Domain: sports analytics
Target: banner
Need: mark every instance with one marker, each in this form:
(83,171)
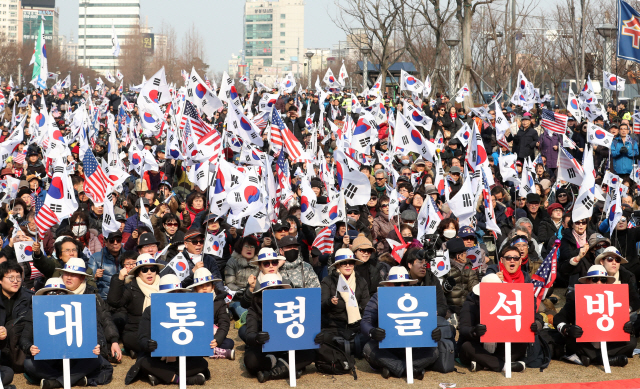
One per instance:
(508,312)
(292,319)
(602,311)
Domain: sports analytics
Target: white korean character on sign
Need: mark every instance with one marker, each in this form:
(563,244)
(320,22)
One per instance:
(410,327)
(70,324)
(182,312)
(296,318)
(598,306)
(504,305)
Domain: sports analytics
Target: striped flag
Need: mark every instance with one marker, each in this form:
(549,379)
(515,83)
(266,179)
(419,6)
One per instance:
(553,122)
(211,145)
(261,120)
(277,126)
(199,127)
(95,184)
(546,274)
(19,159)
(45,218)
(324,241)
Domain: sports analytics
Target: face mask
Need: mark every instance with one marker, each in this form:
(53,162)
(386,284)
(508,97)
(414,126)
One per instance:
(410,224)
(461,116)
(31,231)
(405,161)
(291,255)
(598,252)
(408,239)
(79,230)
(449,234)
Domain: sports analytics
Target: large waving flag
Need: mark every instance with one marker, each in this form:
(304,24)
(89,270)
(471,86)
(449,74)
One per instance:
(613,82)
(238,123)
(201,96)
(96,181)
(410,83)
(408,138)
(586,200)
(599,136)
(569,169)
(40,72)
(628,32)
(58,204)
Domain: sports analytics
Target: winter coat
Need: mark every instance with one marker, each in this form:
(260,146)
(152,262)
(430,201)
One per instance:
(21,306)
(370,273)
(128,295)
(466,279)
(48,266)
(221,317)
(297,127)
(103,259)
(238,270)
(430,279)
(524,143)
(623,161)
(381,228)
(370,316)
(335,316)
(300,273)
(546,148)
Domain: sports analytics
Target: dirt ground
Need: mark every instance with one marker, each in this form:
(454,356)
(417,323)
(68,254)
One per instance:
(233,374)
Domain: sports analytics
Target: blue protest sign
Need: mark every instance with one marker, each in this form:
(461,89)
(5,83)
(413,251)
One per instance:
(182,324)
(628,32)
(291,317)
(408,315)
(64,327)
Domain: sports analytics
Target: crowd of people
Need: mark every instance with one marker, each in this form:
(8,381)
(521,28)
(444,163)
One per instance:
(375,244)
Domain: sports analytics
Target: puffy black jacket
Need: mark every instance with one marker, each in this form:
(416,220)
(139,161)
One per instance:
(524,143)
(335,316)
(466,279)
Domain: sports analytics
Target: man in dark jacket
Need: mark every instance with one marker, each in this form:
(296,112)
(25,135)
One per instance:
(417,268)
(296,124)
(107,262)
(314,110)
(461,278)
(15,305)
(526,140)
(533,211)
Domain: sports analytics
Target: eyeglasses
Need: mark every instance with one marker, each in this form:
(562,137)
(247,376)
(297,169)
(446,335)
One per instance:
(117,239)
(511,259)
(196,242)
(611,259)
(384,205)
(132,264)
(148,269)
(273,263)
(70,251)
(13,279)
(580,223)
(171,224)
(601,279)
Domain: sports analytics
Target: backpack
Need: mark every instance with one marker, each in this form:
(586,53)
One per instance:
(538,353)
(335,357)
(14,332)
(446,348)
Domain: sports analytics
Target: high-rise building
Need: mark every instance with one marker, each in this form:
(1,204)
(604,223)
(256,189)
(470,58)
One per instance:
(94,30)
(274,32)
(31,13)
(9,16)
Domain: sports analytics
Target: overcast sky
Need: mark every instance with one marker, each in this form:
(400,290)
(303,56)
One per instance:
(220,21)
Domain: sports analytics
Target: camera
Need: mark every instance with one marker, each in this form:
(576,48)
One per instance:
(431,247)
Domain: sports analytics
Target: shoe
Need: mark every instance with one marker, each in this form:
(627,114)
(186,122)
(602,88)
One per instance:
(586,361)
(82,382)
(620,360)
(50,384)
(273,360)
(518,367)
(473,367)
(207,374)
(197,379)
(385,373)
(281,370)
(418,374)
(298,374)
(9,387)
(153,380)
(221,353)
(554,300)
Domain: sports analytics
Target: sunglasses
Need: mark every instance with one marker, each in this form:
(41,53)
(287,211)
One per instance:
(534,203)
(281,229)
(469,238)
(380,178)
(350,263)
(580,223)
(601,279)
(148,269)
(384,205)
(196,242)
(511,259)
(55,293)
(171,224)
(562,195)
(273,262)
(611,259)
(367,251)
(115,240)
(601,246)
(353,213)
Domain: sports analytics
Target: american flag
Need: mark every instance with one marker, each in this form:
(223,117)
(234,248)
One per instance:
(261,120)
(546,274)
(45,217)
(554,122)
(95,184)
(276,126)
(19,159)
(284,176)
(324,240)
(199,127)
(184,75)
(636,123)
(206,81)
(211,144)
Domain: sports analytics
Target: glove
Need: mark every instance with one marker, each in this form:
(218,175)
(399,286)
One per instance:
(377,334)
(535,327)
(573,331)
(262,337)
(623,150)
(323,338)
(628,327)
(152,345)
(479,330)
(448,284)
(436,335)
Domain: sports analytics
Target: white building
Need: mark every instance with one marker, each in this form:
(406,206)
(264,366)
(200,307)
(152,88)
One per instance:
(274,33)
(94,30)
(9,15)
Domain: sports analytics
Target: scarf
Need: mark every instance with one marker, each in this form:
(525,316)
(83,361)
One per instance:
(617,277)
(581,240)
(516,278)
(80,289)
(353,313)
(147,290)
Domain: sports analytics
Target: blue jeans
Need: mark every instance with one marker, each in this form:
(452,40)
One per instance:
(236,310)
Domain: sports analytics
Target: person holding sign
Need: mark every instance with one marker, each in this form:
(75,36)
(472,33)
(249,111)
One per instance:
(473,352)
(417,268)
(391,361)
(565,322)
(463,275)
(134,294)
(344,296)
(164,370)
(268,366)
(203,282)
(509,269)
(50,372)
